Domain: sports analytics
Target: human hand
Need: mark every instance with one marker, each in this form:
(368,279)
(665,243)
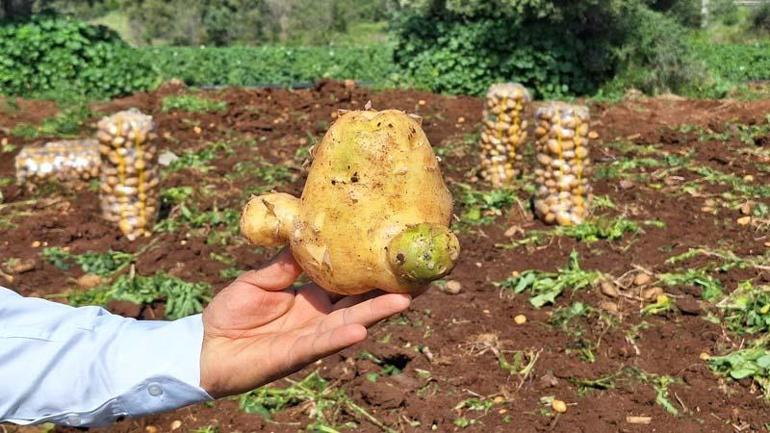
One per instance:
(258,330)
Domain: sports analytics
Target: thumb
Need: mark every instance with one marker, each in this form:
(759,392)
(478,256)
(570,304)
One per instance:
(282,271)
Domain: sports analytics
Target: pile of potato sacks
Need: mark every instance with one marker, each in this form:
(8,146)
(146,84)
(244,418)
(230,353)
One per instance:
(503,132)
(123,157)
(562,173)
(69,162)
(129,180)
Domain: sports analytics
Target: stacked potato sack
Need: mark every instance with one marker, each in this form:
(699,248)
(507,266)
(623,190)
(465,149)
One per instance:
(72,163)
(563,190)
(503,132)
(129,191)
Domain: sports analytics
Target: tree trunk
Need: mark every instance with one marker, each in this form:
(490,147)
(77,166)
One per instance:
(705,12)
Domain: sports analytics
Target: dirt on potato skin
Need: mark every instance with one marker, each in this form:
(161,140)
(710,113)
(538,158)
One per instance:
(455,329)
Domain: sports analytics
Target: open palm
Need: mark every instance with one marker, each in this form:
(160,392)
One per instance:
(258,329)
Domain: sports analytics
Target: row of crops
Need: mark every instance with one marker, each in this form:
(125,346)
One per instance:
(51,57)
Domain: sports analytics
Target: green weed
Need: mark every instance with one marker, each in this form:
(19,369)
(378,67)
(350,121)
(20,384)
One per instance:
(190,218)
(660,383)
(662,305)
(192,104)
(176,195)
(182,298)
(568,320)
(747,309)
(482,207)
(386,368)
(102,264)
(325,401)
(601,228)
(736,183)
(270,175)
(712,288)
(67,123)
(752,363)
(545,287)
(474,404)
(199,160)
(726,259)
(58,257)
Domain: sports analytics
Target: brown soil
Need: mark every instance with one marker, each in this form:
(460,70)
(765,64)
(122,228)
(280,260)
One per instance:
(442,345)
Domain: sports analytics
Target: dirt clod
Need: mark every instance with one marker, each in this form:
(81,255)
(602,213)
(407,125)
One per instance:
(452,287)
(125,309)
(689,305)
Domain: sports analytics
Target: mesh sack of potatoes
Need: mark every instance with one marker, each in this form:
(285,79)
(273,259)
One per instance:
(129,180)
(503,132)
(562,175)
(70,162)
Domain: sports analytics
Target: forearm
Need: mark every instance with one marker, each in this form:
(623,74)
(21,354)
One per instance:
(87,367)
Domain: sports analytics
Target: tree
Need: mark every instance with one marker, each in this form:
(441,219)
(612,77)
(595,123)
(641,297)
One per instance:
(555,47)
(16,9)
(196,22)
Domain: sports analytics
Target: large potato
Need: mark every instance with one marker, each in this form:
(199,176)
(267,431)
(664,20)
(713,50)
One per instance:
(374,213)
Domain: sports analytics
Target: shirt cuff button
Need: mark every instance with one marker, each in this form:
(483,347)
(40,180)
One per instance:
(154,390)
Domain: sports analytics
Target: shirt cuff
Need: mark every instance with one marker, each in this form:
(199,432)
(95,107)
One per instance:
(156,394)
(159,366)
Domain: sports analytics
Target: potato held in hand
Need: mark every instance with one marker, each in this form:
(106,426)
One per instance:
(374,213)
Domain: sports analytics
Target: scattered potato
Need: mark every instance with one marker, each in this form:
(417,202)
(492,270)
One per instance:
(609,289)
(520,319)
(89,281)
(558,406)
(642,279)
(374,212)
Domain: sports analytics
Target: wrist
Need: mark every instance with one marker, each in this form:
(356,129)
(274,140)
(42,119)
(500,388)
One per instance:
(208,378)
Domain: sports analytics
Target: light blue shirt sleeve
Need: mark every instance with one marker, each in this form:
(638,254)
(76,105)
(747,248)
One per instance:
(86,367)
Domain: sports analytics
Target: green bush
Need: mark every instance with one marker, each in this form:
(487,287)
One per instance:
(49,55)
(760,19)
(724,11)
(468,57)
(271,65)
(685,12)
(656,56)
(59,57)
(463,48)
(555,47)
